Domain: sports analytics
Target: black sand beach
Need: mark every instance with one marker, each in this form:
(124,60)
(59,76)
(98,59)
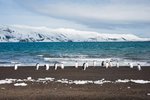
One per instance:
(59,91)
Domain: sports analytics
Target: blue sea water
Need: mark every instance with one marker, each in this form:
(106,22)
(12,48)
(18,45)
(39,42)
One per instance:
(51,52)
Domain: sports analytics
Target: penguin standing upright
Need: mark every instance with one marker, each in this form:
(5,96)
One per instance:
(76,64)
(117,64)
(102,64)
(55,66)
(37,66)
(110,64)
(84,66)
(87,65)
(131,65)
(139,67)
(107,64)
(94,63)
(16,67)
(47,66)
(62,66)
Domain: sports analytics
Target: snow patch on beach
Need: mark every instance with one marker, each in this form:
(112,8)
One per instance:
(102,81)
(77,82)
(140,81)
(82,82)
(45,79)
(122,81)
(148,94)
(7,81)
(22,82)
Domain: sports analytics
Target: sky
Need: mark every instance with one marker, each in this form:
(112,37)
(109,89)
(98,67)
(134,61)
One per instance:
(103,16)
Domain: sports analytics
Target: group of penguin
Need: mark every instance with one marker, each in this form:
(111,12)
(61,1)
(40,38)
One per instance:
(106,64)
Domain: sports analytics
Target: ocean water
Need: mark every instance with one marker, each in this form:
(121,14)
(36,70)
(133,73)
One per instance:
(69,52)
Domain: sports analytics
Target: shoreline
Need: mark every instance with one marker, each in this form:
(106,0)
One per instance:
(72,66)
(80,63)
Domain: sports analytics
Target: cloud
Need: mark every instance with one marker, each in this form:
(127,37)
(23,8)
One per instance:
(82,11)
(121,15)
(92,9)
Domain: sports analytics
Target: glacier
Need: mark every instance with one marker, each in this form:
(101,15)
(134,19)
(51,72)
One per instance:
(22,33)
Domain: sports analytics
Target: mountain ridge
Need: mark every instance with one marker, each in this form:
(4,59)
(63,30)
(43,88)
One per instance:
(22,33)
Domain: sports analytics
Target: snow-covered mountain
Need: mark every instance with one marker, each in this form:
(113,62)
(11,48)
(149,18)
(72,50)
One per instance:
(18,33)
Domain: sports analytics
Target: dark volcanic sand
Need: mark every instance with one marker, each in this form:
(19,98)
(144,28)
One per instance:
(59,91)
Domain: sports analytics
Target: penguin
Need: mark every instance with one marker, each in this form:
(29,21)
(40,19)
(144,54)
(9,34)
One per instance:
(87,65)
(84,66)
(47,66)
(16,67)
(94,63)
(37,66)
(55,66)
(76,64)
(62,66)
(117,64)
(110,64)
(131,65)
(102,64)
(107,64)
(139,67)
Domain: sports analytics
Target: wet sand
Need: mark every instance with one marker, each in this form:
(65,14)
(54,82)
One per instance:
(59,91)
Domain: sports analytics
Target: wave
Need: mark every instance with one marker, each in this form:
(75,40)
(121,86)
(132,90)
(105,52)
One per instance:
(40,55)
(71,61)
(5,62)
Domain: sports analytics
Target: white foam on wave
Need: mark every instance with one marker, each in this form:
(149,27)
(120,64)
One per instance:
(47,59)
(14,62)
(40,55)
(71,61)
(76,59)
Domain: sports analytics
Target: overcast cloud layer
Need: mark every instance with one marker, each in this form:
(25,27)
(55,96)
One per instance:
(113,16)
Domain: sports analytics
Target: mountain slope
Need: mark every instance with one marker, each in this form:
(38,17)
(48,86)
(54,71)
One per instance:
(18,33)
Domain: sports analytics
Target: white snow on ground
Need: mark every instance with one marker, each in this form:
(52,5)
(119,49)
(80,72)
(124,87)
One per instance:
(122,81)
(148,94)
(82,82)
(29,78)
(67,81)
(102,81)
(7,81)
(45,79)
(20,84)
(140,81)
(64,81)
